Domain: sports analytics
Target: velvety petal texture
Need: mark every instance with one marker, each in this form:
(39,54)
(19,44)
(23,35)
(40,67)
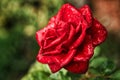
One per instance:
(69,39)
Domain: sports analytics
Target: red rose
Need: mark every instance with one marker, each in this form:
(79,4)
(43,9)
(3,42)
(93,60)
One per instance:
(69,39)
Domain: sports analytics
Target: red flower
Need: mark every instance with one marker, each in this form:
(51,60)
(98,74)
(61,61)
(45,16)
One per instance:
(69,39)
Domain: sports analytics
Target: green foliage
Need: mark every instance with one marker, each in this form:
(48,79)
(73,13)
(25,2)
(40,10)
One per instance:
(102,65)
(41,72)
(116,75)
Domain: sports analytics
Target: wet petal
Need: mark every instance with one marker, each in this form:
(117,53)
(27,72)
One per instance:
(63,61)
(77,66)
(72,33)
(54,67)
(56,51)
(85,50)
(45,59)
(56,41)
(79,26)
(81,36)
(68,57)
(68,13)
(39,37)
(98,32)
(52,20)
(62,27)
(86,12)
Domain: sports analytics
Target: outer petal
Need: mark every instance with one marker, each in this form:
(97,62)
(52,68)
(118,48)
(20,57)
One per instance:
(86,12)
(39,37)
(68,13)
(56,60)
(45,33)
(52,20)
(77,66)
(85,50)
(63,61)
(98,32)
(46,59)
(81,59)
(54,67)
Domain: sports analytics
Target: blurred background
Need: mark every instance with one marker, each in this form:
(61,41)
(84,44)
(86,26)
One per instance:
(20,19)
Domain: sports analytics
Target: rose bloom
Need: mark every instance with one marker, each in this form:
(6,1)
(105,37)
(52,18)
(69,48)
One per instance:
(69,39)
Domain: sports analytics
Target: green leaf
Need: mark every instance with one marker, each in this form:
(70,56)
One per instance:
(95,63)
(97,78)
(61,75)
(110,67)
(116,75)
(96,52)
(103,65)
(38,71)
(93,71)
(74,76)
(39,75)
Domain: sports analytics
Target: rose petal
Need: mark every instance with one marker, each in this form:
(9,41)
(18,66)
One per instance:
(56,51)
(78,28)
(48,36)
(68,41)
(86,12)
(72,33)
(62,27)
(98,33)
(54,67)
(45,59)
(77,66)
(85,50)
(65,60)
(68,13)
(52,20)
(62,59)
(45,33)
(39,37)
(56,41)
(81,34)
